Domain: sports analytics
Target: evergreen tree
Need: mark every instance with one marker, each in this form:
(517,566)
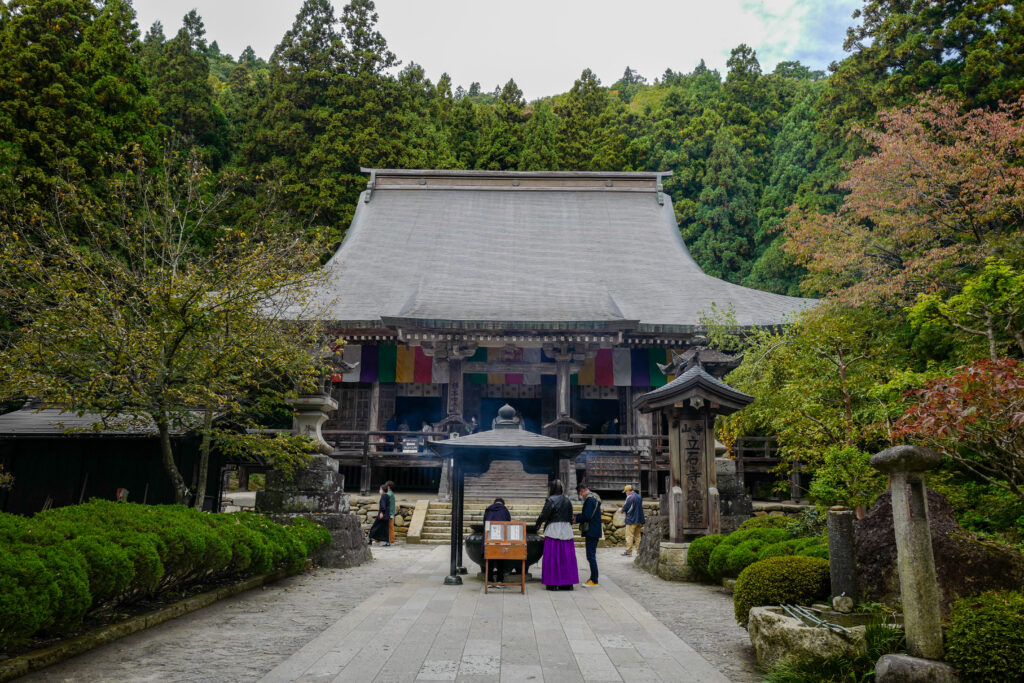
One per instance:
(71,94)
(721,237)
(180,81)
(578,112)
(502,148)
(540,140)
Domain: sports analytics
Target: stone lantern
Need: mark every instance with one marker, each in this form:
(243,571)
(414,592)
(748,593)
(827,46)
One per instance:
(691,403)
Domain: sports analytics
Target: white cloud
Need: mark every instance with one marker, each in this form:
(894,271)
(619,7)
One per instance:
(545,44)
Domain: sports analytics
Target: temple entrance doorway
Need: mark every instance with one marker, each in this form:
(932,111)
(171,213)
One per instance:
(413,411)
(526,408)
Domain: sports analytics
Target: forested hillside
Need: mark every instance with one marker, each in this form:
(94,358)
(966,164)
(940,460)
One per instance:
(79,82)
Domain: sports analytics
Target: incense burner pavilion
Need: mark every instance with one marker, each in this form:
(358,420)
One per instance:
(566,295)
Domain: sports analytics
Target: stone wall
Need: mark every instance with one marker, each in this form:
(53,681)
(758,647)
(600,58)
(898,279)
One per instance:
(348,546)
(365,508)
(615,529)
(655,531)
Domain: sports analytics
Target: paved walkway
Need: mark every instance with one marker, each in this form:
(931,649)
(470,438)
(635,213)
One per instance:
(425,631)
(393,620)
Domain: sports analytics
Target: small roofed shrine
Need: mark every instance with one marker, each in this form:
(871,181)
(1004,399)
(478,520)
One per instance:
(565,295)
(690,403)
(475,454)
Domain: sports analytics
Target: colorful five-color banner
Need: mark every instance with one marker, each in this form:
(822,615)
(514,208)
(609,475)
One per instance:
(408,364)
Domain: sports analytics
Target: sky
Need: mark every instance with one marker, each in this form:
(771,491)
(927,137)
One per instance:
(545,44)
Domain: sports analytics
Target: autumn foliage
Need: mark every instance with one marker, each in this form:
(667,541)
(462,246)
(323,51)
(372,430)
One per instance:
(976,417)
(943,190)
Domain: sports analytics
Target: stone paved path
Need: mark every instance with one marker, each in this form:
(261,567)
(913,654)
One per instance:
(393,620)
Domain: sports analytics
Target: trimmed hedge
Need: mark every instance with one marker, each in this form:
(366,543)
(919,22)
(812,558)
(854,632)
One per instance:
(699,553)
(780,580)
(739,550)
(65,563)
(985,638)
(766,522)
(816,546)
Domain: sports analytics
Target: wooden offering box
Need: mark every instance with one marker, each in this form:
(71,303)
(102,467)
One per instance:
(504,541)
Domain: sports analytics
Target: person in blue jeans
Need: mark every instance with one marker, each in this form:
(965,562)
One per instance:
(634,511)
(590,515)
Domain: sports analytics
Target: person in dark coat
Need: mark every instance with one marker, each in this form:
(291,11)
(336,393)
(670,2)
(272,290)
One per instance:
(497,512)
(379,530)
(590,516)
(558,566)
(634,512)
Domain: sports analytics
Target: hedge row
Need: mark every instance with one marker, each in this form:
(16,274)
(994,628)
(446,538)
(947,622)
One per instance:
(716,557)
(65,563)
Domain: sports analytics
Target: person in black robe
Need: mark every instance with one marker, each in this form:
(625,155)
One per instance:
(497,512)
(379,530)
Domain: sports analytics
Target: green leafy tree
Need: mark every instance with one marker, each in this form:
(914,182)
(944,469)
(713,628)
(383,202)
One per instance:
(817,382)
(143,321)
(990,306)
(578,113)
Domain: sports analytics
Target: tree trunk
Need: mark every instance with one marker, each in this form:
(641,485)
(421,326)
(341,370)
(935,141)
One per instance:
(167,457)
(204,458)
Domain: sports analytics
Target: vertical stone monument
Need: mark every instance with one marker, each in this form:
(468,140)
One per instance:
(691,402)
(919,588)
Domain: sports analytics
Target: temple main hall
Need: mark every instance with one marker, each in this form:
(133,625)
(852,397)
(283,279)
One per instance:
(565,295)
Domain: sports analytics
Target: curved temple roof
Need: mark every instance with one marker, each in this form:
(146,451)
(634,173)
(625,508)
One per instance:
(526,250)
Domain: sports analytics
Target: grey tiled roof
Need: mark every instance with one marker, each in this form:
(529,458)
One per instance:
(554,252)
(694,378)
(517,439)
(56,422)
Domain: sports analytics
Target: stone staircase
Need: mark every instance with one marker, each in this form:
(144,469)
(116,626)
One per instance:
(508,480)
(437,525)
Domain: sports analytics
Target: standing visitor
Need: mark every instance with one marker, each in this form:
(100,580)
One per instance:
(379,530)
(392,509)
(591,528)
(558,567)
(634,511)
(497,512)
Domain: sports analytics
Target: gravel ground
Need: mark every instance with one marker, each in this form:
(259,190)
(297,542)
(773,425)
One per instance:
(700,615)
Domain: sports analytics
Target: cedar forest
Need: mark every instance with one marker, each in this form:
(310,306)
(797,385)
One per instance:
(891,187)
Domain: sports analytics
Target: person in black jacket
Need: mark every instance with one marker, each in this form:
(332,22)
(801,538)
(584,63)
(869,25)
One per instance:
(558,566)
(497,512)
(589,518)
(379,530)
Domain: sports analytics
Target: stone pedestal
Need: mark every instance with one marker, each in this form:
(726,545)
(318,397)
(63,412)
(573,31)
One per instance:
(672,562)
(311,412)
(317,494)
(317,488)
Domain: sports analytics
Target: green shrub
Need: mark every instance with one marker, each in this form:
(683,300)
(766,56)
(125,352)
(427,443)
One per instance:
(719,564)
(699,552)
(780,580)
(766,522)
(109,566)
(66,562)
(985,638)
(803,547)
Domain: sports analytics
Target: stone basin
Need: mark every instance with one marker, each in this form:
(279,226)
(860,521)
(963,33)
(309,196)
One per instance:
(475,550)
(776,635)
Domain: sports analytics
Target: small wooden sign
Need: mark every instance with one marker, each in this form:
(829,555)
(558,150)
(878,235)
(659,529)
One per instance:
(504,541)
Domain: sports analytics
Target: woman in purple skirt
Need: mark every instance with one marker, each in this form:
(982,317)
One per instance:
(558,567)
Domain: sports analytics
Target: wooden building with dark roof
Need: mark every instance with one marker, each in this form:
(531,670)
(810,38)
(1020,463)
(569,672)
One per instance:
(560,293)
